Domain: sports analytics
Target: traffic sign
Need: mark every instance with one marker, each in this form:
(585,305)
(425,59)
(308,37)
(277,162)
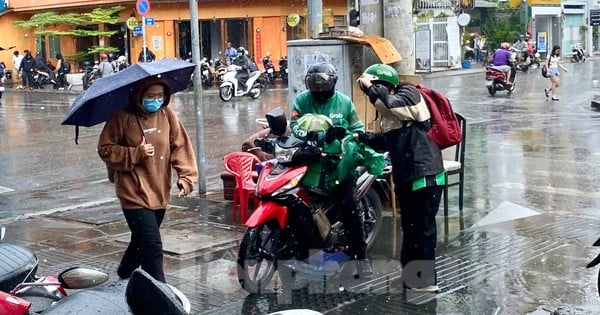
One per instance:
(131,23)
(149,21)
(142,7)
(137,31)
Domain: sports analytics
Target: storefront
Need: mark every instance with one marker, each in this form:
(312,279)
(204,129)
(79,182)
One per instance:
(546,18)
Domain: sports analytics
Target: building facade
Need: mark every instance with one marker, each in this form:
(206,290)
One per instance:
(260,26)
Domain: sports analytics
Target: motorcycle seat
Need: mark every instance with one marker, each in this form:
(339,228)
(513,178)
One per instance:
(16,264)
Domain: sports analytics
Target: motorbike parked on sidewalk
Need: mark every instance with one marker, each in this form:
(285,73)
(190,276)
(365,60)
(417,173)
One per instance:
(495,80)
(269,239)
(42,78)
(269,70)
(230,85)
(594,263)
(578,53)
(24,292)
(206,73)
(283,69)
(90,74)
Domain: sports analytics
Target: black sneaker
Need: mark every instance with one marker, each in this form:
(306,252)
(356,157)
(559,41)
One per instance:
(556,99)
(547,93)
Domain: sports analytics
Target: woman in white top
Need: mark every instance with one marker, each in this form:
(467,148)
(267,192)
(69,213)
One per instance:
(552,64)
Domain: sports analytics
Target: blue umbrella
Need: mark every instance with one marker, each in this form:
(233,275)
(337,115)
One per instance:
(110,93)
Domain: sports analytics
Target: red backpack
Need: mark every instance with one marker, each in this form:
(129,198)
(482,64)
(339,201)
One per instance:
(445,129)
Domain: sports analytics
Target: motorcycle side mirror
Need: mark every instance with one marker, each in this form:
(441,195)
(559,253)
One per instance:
(81,278)
(277,121)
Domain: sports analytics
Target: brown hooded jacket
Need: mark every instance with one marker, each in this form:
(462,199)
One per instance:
(145,182)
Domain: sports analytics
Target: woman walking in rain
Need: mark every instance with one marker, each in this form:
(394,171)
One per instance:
(142,142)
(552,64)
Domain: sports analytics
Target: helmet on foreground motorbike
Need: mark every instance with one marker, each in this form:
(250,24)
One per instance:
(381,74)
(313,127)
(320,80)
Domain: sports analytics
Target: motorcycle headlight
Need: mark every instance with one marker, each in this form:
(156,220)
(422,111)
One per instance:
(284,155)
(293,183)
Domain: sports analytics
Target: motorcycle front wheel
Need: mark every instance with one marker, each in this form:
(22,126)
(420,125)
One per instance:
(226,93)
(258,255)
(491,90)
(371,208)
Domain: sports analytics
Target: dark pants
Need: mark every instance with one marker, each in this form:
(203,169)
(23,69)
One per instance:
(60,80)
(419,231)
(352,218)
(145,247)
(27,78)
(242,77)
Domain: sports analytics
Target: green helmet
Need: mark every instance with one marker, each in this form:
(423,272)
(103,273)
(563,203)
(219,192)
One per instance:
(383,74)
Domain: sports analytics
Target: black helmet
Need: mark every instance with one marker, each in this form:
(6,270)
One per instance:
(320,80)
(241,51)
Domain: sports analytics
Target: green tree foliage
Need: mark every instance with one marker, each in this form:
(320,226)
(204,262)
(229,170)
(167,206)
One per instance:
(44,24)
(502,27)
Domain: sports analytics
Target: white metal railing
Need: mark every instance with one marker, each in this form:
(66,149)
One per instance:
(434,4)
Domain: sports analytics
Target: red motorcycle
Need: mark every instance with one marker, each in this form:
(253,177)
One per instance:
(272,230)
(495,80)
(23,292)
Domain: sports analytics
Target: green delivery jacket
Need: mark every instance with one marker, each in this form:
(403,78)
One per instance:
(341,112)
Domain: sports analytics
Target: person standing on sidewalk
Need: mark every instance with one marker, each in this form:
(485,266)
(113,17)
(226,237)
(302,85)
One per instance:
(141,143)
(552,64)
(26,68)
(417,169)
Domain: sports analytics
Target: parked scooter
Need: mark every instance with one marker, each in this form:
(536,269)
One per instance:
(220,68)
(23,292)
(283,69)
(90,74)
(495,80)
(206,72)
(268,243)
(578,53)
(594,263)
(269,70)
(229,87)
(42,78)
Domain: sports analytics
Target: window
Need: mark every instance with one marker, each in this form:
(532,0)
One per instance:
(53,46)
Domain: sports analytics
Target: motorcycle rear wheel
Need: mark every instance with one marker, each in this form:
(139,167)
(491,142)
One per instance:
(492,90)
(226,93)
(257,258)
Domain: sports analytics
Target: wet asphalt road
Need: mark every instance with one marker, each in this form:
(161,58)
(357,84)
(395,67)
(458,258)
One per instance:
(523,153)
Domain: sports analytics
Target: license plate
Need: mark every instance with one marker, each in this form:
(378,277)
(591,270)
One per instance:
(1,89)
(205,72)
(270,70)
(489,83)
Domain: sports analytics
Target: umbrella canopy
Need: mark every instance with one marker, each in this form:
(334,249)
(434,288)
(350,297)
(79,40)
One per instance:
(110,93)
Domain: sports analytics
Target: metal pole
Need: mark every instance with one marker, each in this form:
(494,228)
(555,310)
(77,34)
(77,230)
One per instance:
(144,37)
(200,159)
(315,17)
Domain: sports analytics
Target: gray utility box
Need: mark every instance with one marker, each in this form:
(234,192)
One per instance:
(346,57)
